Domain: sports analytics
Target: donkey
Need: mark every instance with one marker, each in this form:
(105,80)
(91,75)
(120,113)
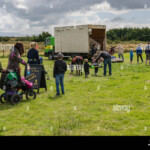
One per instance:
(78,62)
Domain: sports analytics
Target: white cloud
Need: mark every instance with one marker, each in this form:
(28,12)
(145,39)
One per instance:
(21,19)
(105,7)
(21,6)
(102,7)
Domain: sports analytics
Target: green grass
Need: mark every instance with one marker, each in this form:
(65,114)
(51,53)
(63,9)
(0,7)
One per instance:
(87,106)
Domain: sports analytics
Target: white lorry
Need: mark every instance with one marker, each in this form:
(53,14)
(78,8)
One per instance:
(76,40)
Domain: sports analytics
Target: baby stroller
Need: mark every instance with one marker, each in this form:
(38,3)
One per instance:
(15,89)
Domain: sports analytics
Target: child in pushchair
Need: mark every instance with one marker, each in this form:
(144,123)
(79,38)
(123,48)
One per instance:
(14,87)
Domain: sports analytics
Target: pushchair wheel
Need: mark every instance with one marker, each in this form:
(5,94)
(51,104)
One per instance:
(3,98)
(30,95)
(15,99)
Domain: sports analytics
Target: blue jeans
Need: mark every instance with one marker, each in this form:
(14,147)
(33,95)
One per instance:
(96,69)
(59,78)
(121,55)
(131,58)
(107,61)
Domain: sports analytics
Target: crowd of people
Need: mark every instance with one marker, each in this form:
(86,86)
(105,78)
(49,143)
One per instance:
(15,59)
(60,66)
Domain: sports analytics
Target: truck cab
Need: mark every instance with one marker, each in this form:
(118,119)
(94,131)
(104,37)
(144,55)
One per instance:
(49,47)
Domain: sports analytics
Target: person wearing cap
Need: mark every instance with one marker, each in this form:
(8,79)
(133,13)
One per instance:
(33,54)
(60,67)
(147,52)
(139,53)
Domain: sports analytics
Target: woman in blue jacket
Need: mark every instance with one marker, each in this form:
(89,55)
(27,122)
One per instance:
(139,53)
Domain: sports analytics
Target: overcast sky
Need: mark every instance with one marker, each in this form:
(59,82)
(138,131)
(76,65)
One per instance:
(34,16)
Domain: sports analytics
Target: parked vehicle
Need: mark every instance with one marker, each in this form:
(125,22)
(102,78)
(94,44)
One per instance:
(75,40)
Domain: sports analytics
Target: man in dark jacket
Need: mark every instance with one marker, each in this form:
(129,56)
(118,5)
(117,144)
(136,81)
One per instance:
(107,60)
(60,67)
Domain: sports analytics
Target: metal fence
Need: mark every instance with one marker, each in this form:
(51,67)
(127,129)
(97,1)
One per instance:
(5,48)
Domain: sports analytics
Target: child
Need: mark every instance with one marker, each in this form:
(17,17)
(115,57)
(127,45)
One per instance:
(95,64)
(86,68)
(131,55)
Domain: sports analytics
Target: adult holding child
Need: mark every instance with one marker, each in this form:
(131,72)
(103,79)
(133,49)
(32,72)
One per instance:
(139,53)
(147,52)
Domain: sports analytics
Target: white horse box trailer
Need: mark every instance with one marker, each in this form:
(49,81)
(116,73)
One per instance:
(77,40)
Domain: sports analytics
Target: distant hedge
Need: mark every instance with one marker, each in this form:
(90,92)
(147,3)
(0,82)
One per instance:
(128,34)
(37,38)
(4,39)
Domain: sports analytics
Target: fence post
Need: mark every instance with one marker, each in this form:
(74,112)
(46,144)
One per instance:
(3,53)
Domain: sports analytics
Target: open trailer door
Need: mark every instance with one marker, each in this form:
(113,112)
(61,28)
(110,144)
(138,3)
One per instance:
(97,35)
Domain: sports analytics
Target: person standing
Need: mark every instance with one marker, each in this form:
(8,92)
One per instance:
(15,60)
(139,53)
(86,68)
(60,67)
(93,49)
(107,61)
(98,47)
(111,51)
(147,52)
(120,51)
(33,54)
(96,65)
(131,55)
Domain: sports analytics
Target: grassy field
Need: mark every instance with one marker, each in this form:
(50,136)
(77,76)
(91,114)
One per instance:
(116,105)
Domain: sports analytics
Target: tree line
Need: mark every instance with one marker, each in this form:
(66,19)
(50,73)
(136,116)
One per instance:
(128,34)
(4,39)
(113,35)
(37,38)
